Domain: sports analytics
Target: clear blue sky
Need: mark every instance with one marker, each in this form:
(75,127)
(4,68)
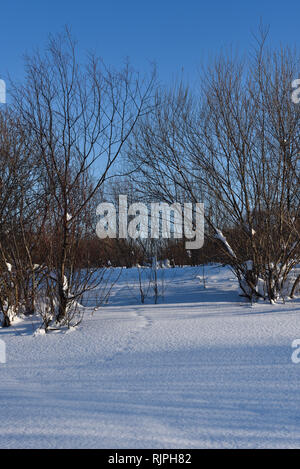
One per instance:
(175,34)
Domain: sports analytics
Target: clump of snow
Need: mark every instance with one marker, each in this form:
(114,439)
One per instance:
(39,331)
(219,235)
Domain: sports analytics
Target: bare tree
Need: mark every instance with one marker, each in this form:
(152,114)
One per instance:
(78,119)
(17,218)
(236,148)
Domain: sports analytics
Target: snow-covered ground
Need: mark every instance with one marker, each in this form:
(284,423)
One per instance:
(201,369)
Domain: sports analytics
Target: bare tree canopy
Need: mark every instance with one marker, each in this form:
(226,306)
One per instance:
(235,147)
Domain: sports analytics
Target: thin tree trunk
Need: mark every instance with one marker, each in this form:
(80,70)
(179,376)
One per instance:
(296,283)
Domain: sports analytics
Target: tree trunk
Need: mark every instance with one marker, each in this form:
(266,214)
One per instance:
(6,321)
(296,283)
